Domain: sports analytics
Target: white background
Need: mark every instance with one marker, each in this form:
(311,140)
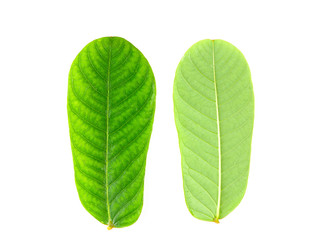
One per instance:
(40,39)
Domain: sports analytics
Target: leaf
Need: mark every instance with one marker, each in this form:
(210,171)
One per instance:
(214,111)
(111,104)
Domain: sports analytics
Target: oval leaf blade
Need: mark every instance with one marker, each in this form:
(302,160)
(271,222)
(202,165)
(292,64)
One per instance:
(214,111)
(111,104)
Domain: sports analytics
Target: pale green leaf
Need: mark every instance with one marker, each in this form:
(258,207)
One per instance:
(111,104)
(214,111)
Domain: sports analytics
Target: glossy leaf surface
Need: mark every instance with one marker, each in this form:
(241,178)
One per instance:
(111,104)
(214,111)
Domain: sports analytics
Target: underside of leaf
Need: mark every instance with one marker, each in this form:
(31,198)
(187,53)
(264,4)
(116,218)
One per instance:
(214,111)
(111,104)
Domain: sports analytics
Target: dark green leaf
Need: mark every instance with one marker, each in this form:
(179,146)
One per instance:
(111,104)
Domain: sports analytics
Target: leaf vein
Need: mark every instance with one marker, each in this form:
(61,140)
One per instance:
(193,106)
(86,139)
(83,102)
(126,204)
(86,154)
(130,164)
(77,165)
(198,199)
(199,69)
(89,191)
(133,116)
(130,213)
(198,155)
(86,78)
(131,182)
(138,64)
(134,91)
(179,112)
(201,174)
(196,135)
(94,68)
(135,138)
(201,94)
(83,119)
(125,60)
(203,188)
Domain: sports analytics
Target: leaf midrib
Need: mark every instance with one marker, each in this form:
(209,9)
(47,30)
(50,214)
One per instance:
(218,135)
(110,225)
